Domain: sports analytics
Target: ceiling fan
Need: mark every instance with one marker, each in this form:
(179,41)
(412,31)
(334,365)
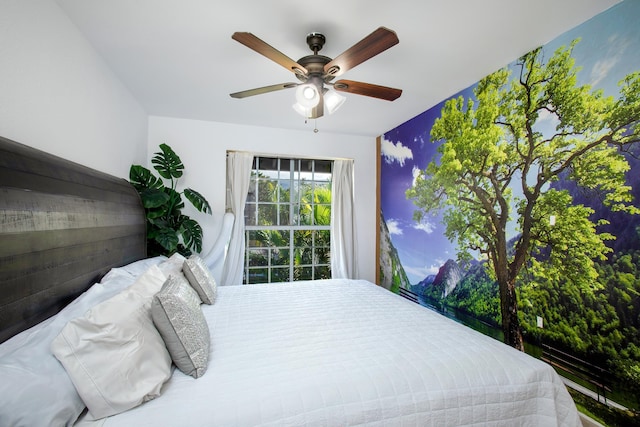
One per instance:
(315,71)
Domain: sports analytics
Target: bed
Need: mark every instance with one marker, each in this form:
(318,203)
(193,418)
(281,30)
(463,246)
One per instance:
(317,353)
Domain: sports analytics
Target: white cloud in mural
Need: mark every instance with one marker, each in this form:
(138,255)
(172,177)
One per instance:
(420,272)
(602,68)
(416,173)
(424,271)
(425,226)
(547,116)
(395,152)
(419,139)
(417,273)
(394,226)
(432,270)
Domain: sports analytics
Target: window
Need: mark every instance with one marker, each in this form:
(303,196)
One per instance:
(287,220)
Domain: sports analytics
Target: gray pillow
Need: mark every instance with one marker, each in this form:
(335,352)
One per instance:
(178,317)
(200,278)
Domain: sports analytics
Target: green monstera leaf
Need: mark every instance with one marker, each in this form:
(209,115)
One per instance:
(197,200)
(175,203)
(168,230)
(142,178)
(191,234)
(168,163)
(167,238)
(153,198)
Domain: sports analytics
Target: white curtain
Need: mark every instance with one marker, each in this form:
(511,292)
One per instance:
(238,177)
(343,227)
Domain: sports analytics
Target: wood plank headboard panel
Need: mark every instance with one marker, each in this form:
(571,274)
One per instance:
(62,227)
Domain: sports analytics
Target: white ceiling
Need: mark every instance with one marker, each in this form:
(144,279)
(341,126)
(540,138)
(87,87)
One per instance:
(178,59)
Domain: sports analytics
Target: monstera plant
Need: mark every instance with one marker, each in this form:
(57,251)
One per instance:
(168,229)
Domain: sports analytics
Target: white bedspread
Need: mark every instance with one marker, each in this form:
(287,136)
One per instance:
(342,353)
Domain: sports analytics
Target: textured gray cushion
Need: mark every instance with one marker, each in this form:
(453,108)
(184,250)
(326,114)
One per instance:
(200,278)
(178,317)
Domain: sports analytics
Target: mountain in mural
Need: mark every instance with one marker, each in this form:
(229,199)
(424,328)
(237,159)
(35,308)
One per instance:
(438,287)
(477,294)
(448,277)
(427,281)
(392,274)
(467,288)
(443,283)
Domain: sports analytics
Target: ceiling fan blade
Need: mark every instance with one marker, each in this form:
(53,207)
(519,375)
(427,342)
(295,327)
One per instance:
(261,90)
(375,43)
(367,89)
(253,42)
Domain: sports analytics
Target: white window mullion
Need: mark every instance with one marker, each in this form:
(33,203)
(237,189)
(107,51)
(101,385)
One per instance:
(273,168)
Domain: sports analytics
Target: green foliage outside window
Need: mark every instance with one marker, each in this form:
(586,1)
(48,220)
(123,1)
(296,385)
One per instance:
(287,216)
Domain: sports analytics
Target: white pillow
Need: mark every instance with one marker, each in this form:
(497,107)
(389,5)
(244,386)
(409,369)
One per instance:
(178,317)
(34,387)
(114,355)
(173,265)
(134,269)
(200,278)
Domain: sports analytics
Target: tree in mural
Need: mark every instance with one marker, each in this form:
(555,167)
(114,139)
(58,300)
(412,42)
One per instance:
(495,167)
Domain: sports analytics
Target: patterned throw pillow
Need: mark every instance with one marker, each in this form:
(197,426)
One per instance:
(200,278)
(178,317)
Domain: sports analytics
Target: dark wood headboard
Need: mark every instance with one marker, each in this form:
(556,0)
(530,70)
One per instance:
(62,227)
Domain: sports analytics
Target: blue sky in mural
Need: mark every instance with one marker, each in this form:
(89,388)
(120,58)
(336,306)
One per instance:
(609,49)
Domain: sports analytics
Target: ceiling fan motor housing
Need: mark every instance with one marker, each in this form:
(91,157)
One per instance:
(314,65)
(315,42)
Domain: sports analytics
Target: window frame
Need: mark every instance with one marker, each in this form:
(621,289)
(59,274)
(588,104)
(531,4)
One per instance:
(292,177)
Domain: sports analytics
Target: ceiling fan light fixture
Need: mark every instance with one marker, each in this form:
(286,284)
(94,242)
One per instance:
(333,100)
(303,111)
(307,95)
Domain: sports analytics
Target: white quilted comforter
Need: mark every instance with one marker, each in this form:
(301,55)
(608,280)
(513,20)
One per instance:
(344,353)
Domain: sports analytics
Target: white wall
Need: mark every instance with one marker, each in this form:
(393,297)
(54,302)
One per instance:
(202,146)
(57,94)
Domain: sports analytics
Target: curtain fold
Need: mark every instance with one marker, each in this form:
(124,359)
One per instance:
(343,228)
(238,178)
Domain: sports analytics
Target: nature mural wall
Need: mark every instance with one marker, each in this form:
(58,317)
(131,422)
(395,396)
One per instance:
(517,200)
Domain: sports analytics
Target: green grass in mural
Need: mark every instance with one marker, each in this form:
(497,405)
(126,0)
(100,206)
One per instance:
(604,414)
